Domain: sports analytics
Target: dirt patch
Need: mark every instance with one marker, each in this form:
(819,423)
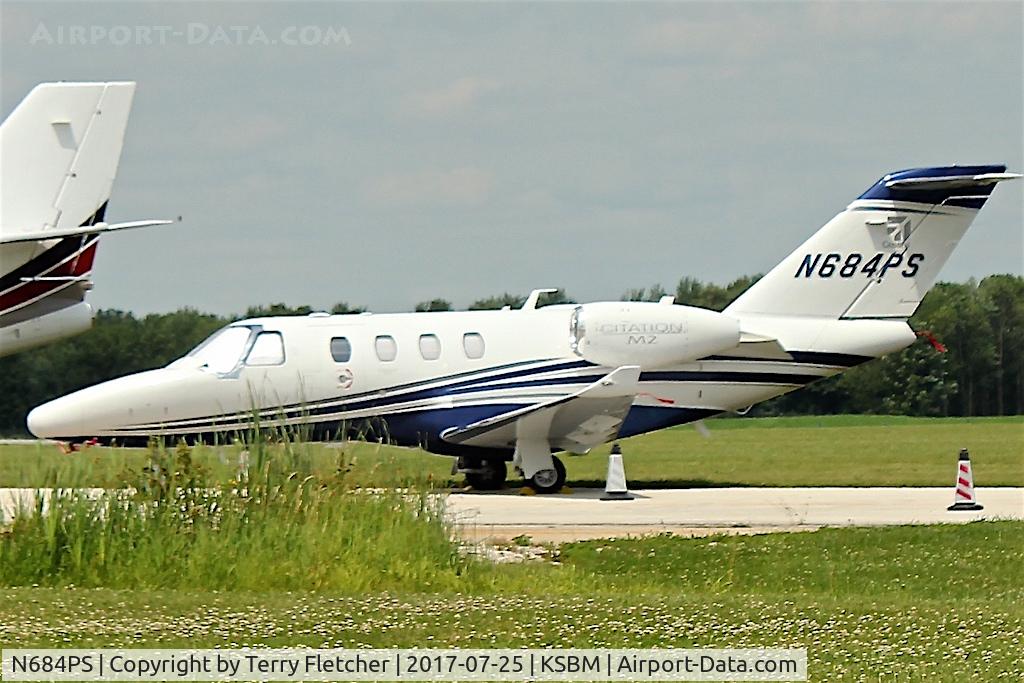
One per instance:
(506,534)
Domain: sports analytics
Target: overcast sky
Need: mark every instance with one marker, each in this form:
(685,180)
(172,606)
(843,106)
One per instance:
(461,150)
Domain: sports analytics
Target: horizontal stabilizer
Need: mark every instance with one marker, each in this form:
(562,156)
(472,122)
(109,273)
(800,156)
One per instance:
(57,278)
(964,181)
(575,422)
(10,236)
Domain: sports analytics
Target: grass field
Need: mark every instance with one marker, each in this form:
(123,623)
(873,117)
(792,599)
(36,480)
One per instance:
(302,554)
(940,603)
(799,451)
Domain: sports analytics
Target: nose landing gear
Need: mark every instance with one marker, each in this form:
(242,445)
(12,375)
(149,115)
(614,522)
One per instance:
(544,473)
(548,480)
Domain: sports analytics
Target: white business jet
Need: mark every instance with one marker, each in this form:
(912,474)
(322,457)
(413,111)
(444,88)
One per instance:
(490,387)
(59,151)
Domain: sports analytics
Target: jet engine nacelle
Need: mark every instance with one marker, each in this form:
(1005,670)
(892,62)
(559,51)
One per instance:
(45,329)
(651,335)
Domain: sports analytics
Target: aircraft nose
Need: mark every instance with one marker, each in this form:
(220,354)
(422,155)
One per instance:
(103,408)
(53,420)
(39,421)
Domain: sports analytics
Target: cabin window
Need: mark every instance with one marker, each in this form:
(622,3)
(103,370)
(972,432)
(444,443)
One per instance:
(430,346)
(473,345)
(341,349)
(387,349)
(268,349)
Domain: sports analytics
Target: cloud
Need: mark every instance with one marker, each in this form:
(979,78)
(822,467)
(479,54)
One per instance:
(457,96)
(459,186)
(732,34)
(756,31)
(247,131)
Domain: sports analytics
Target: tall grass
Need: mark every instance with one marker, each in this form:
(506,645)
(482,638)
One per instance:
(276,526)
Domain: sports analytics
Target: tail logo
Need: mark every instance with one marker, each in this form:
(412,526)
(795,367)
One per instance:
(898,228)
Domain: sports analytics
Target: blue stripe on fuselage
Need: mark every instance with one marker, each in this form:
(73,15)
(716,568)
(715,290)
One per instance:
(422,428)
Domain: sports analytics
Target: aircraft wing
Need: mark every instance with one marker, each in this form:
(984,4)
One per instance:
(576,422)
(56,233)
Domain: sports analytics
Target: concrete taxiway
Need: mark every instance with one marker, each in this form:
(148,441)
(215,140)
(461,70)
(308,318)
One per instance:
(502,516)
(582,514)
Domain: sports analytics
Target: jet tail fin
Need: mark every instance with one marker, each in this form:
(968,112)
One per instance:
(59,152)
(879,257)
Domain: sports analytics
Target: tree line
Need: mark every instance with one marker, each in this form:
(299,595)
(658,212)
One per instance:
(980,324)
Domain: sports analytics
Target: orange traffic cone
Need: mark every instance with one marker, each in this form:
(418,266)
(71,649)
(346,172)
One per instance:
(964,498)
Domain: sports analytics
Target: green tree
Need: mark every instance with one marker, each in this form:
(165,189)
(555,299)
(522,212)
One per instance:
(166,336)
(495,302)
(917,381)
(653,293)
(342,308)
(960,318)
(559,296)
(1004,299)
(693,292)
(276,309)
(491,303)
(433,305)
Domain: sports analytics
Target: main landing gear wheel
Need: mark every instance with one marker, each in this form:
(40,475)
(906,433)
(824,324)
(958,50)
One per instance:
(549,481)
(489,475)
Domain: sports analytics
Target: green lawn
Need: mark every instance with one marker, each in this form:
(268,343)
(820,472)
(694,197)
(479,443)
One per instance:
(939,603)
(301,555)
(799,451)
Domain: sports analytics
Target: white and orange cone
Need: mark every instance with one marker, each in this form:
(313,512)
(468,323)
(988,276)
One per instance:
(964,498)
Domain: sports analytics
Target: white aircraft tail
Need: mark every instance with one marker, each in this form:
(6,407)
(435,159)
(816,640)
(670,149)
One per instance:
(879,257)
(59,151)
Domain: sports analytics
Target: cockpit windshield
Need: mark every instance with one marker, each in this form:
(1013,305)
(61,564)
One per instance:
(222,350)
